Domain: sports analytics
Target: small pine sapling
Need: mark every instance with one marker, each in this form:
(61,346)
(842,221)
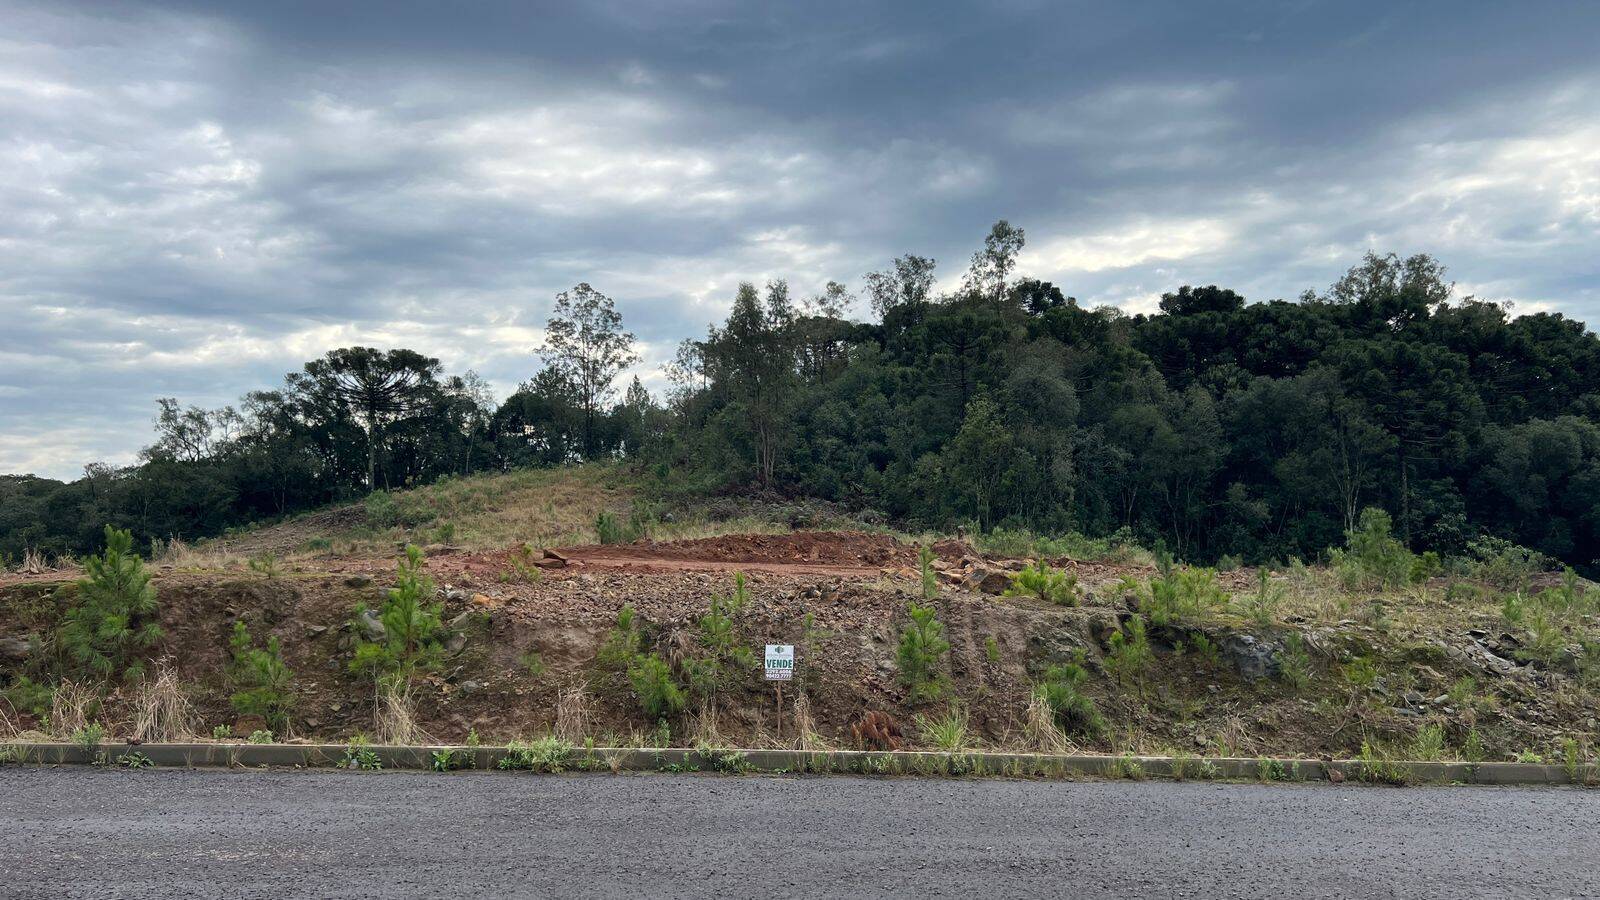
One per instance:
(922,645)
(1048,584)
(114,618)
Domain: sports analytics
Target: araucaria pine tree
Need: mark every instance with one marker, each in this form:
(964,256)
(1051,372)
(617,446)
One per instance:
(114,617)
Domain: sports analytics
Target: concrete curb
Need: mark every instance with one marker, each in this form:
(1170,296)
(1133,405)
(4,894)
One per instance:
(620,759)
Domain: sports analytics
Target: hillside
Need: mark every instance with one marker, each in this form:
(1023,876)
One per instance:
(1307,660)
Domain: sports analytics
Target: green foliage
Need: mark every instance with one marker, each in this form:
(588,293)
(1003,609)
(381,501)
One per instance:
(545,754)
(263,685)
(1224,429)
(608,530)
(26,695)
(1505,565)
(1263,605)
(947,732)
(1178,594)
(262,737)
(991,650)
(930,578)
(266,565)
(1120,546)
(922,647)
(1048,584)
(653,683)
(451,759)
(721,652)
(1294,662)
(532,663)
(359,755)
(412,626)
(1428,746)
(134,759)
(89,737)
(1129,654)
(1075,714)
(113,618)
(622,643)
(1377,767)
(1361,673)
(1370,547)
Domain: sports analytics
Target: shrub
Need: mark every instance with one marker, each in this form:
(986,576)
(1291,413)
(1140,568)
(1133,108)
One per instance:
(720,650)
(113,618)
(1429,743)
(658,692)
(922,644)
(450,760)
(991,649)
(1384,561)
(262,736)
(263,684)
(358,755)
(1178,593)
(1074,713)
(1262,606)
(26,695)
(622,643)
(1050,585)
(88,737)
(546,754)
(1361,673)
(930,579)
(1378,768)
(265,565)
(1505,565)
(1294,663)
(609,529)
(1129,655)
(411,625)
(948,733)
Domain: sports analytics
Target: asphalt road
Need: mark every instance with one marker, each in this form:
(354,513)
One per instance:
(78,832)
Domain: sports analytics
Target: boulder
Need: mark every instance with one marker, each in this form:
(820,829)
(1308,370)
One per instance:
(15,649)
(987,581)
(1252,658)
(371,626)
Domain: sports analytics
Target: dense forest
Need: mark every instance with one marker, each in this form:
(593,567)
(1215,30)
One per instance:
(1213,427)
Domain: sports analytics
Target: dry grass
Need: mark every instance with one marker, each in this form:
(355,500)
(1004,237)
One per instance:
(161,709)
(9,728)
(1039,731)
(572,714)
(208,557)
(395,717)
(805,726)
(703,730)
(72,707)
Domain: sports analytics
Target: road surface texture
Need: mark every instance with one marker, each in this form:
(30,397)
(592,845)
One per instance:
(169,833)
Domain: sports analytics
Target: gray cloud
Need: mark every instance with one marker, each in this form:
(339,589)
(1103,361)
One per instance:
(195,198)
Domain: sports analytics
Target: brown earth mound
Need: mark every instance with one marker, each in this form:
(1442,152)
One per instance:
(799,553)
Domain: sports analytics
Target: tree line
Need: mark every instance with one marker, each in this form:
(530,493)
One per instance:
(1213,427)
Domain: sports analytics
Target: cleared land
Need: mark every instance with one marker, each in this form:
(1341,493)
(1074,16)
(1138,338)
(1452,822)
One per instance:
(1306,663)
(291,834)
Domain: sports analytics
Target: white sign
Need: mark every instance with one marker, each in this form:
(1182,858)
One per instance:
(780,662)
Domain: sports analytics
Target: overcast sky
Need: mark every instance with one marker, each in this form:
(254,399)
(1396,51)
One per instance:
(195,198)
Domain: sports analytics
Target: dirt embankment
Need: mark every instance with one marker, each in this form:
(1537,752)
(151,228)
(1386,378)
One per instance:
(527,629)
